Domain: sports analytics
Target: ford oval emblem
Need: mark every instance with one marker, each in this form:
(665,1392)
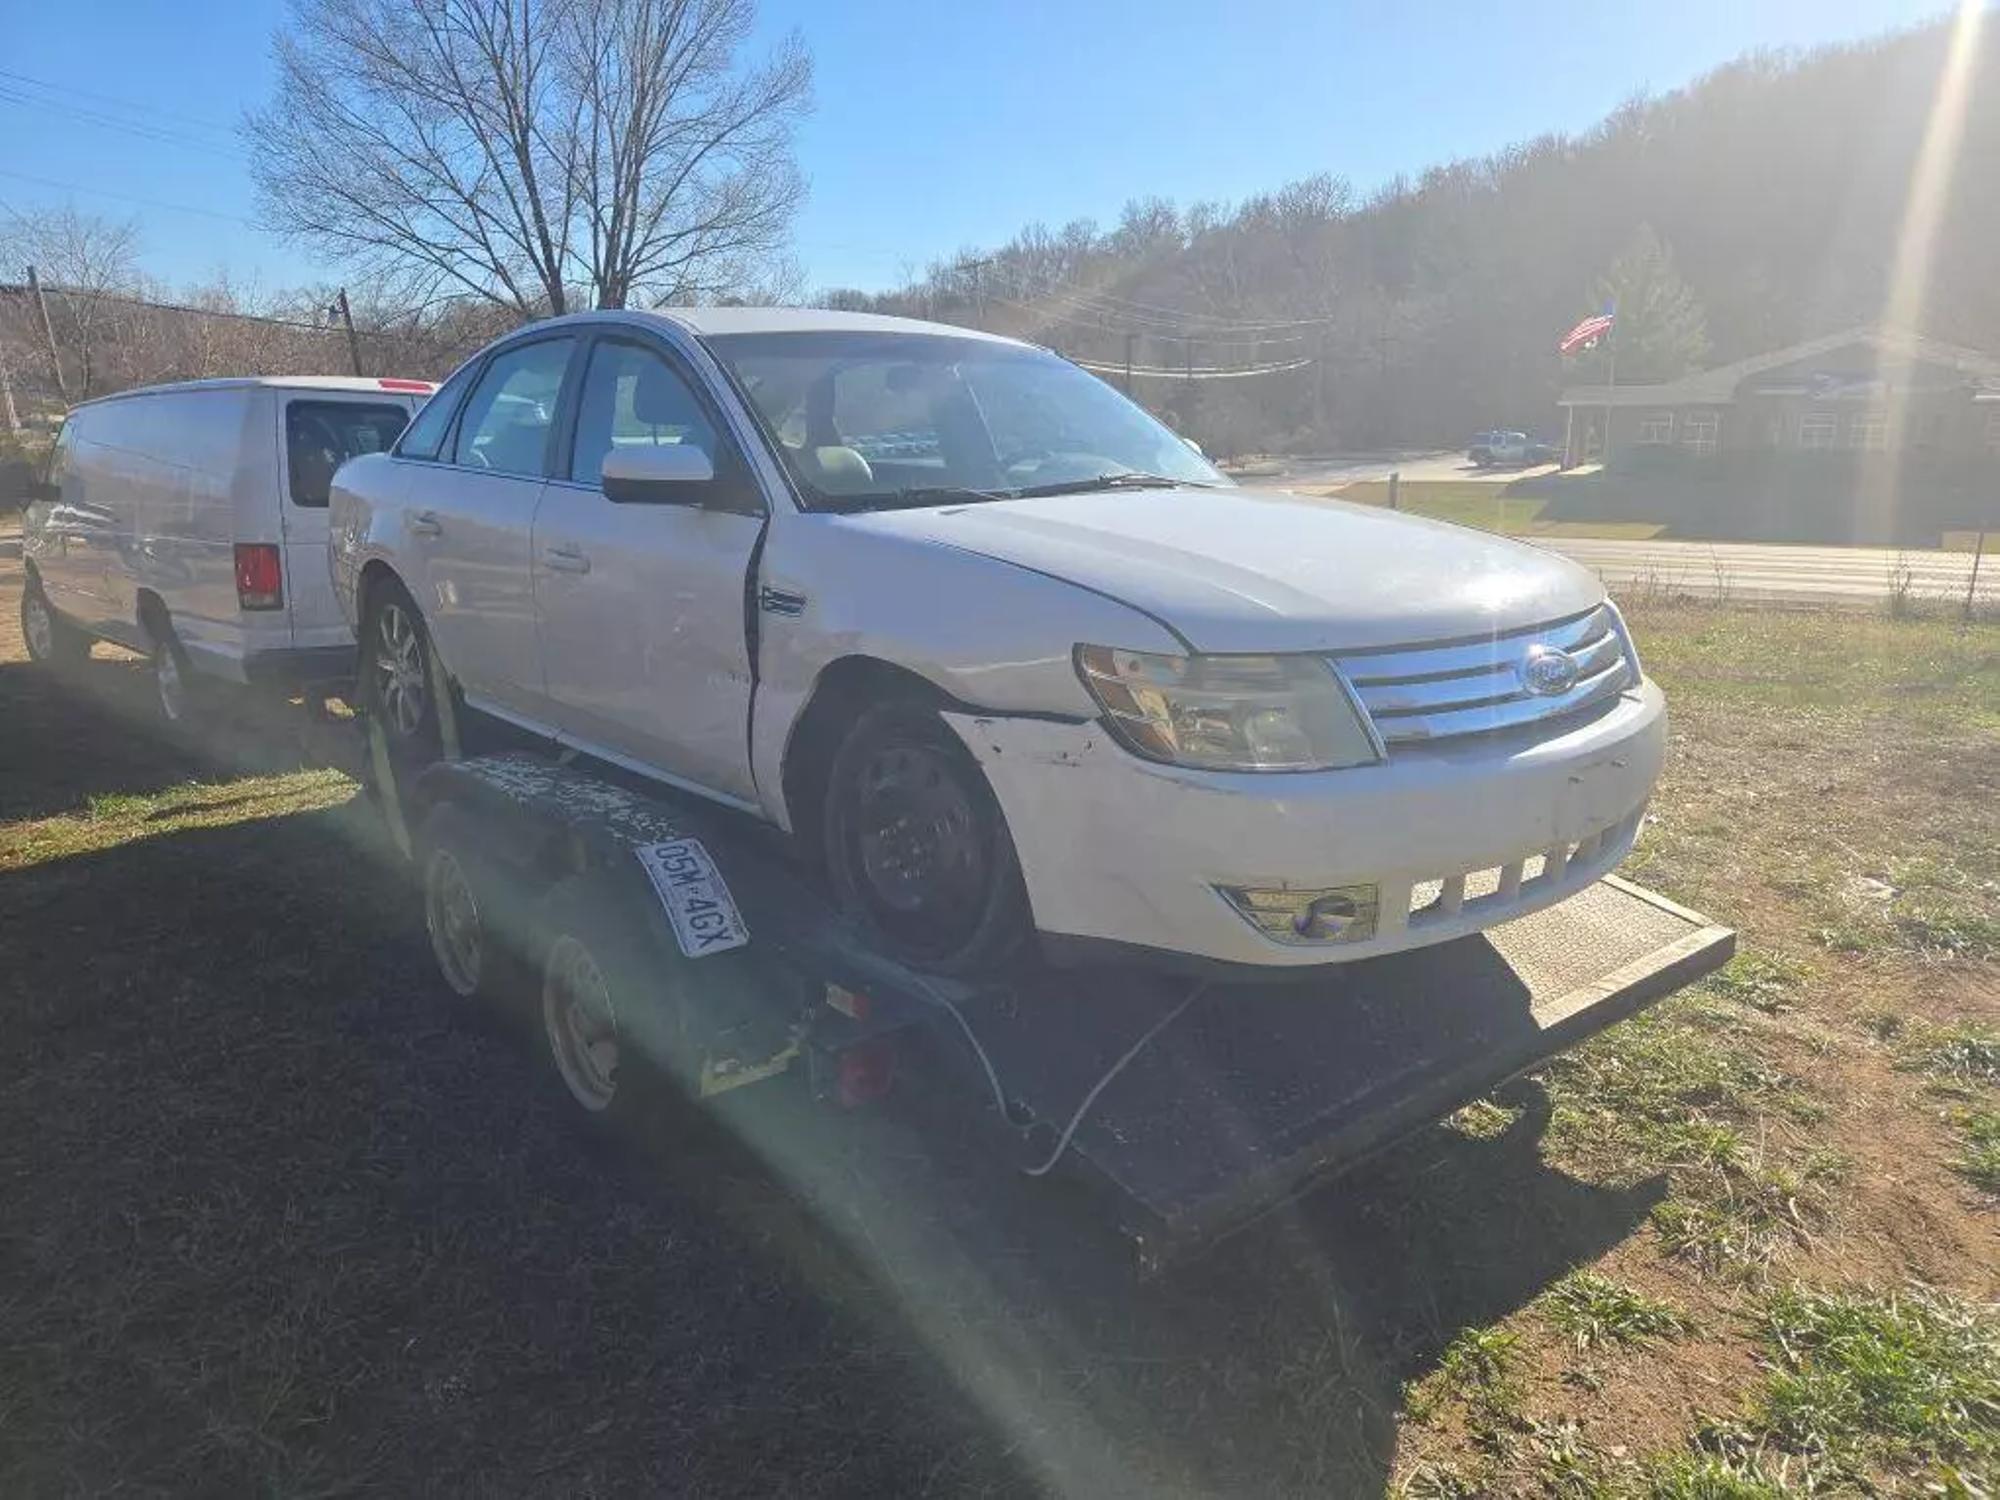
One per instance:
(1548,671)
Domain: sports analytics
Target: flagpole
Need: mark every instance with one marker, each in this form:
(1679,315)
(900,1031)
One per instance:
(1611,381)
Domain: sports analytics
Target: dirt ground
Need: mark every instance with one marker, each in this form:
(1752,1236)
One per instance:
(277,1217)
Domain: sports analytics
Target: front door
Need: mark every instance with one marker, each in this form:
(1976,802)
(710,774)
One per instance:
(470,516)
(642,606)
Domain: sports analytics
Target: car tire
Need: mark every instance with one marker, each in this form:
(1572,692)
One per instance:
(51,640)
(398,678)
(474,911)
(917,851)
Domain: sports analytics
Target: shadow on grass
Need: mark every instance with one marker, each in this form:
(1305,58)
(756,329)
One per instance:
(277,1214)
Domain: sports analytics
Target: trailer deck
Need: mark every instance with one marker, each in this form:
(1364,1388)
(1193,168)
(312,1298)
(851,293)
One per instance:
(1195,1107)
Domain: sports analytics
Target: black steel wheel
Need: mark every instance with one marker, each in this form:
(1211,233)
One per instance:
(916,848)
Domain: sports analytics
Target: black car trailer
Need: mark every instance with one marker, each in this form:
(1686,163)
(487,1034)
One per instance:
(1196,1107)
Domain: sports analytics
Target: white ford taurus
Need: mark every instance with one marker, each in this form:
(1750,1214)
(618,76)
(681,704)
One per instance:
(1002,652)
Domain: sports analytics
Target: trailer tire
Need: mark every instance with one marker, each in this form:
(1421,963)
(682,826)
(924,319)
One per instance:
(596,957)
(472,909)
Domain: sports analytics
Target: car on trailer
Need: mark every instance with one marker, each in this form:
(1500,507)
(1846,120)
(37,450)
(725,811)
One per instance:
(1002,653)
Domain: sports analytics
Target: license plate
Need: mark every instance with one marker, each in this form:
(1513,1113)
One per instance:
(696,897)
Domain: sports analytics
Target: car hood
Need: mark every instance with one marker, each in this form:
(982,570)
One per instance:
(1259,570)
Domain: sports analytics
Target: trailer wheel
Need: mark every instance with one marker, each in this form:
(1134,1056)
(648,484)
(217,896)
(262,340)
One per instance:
(51,640)
(470,908)
(595,962)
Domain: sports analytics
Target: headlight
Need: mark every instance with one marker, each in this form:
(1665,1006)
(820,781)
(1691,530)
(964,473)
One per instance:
(1227,713)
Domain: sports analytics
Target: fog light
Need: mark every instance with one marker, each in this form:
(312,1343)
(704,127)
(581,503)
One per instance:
(1327,914)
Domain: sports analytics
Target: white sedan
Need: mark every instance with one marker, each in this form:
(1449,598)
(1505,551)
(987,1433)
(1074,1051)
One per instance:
(1005,655)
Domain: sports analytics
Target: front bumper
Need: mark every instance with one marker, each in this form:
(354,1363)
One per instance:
(1117,850)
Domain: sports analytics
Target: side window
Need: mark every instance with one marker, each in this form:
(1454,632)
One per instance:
(508,416)
(634,398)
(320,436)
(427,428)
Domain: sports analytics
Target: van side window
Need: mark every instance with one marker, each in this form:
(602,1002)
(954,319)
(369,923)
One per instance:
(320,436)
(427,429)
(509,414)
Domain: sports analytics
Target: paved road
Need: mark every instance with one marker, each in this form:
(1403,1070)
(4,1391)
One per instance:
(1751,570)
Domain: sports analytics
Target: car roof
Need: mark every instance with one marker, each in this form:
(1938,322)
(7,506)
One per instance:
(723,321)
(388,385)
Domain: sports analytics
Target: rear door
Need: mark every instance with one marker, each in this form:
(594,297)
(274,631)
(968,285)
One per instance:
(643,636)
(469,515)
(318,431)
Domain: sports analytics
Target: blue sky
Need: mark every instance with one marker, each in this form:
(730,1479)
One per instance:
(940,124)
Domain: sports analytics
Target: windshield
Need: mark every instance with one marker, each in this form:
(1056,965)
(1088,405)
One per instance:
(866,420)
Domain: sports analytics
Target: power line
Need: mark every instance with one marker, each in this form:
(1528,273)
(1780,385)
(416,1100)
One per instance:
(142,107)
(181,208)
(162,135)
(1182,372)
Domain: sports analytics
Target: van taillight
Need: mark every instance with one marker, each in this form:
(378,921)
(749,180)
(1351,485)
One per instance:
(260,576)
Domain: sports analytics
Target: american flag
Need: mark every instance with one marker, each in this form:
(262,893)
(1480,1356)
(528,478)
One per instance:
(1586,334)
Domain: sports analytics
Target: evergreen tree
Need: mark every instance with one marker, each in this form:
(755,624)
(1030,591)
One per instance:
(1662,332)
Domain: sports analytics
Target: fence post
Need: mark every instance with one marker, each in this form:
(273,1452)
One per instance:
(1972,583)
(1395,489)
(48,334)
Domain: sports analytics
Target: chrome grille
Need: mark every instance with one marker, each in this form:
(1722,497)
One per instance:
(1422,693)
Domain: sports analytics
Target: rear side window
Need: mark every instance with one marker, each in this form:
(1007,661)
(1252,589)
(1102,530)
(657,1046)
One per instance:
(320,436)
(508,417)
(426,434)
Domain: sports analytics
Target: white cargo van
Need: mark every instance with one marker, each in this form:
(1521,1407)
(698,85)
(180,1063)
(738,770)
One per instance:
(189,522)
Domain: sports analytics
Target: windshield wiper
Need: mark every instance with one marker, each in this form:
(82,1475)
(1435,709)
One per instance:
(1124,479)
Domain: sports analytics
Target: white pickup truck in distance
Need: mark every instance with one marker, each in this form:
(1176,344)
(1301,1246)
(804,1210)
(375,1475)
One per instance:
(1004,654)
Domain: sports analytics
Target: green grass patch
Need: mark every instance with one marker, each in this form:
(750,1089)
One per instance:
(1979,1161)
(1762,981)
(1592,1311)
(1911,1378)
(1489,505)
(1845,663)
(113,818)
(1476,1368)
(1962,1057)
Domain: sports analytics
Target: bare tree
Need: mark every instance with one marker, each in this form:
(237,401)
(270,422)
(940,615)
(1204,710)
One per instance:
(534,152)
(88,266)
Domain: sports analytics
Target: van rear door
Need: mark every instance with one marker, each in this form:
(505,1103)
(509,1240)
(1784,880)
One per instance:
(318,431)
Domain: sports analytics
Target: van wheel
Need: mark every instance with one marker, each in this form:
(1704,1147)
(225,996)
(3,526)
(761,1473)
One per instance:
(51,640)
(174,686)
(916,848)
(396,674)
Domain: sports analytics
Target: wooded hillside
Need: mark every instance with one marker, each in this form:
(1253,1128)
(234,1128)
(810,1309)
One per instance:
(1761,205)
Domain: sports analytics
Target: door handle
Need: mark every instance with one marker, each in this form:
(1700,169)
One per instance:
(426,523)
(565,560)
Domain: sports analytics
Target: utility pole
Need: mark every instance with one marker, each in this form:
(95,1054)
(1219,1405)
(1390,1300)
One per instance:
(48,335)
(347,317)
(1129,337)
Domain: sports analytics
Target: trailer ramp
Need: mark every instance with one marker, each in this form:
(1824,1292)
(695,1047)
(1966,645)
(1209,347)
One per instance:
(1252,1091)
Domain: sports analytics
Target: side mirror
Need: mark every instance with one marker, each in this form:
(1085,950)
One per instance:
(663,474)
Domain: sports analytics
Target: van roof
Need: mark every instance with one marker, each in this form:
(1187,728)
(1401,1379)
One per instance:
(387,384)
